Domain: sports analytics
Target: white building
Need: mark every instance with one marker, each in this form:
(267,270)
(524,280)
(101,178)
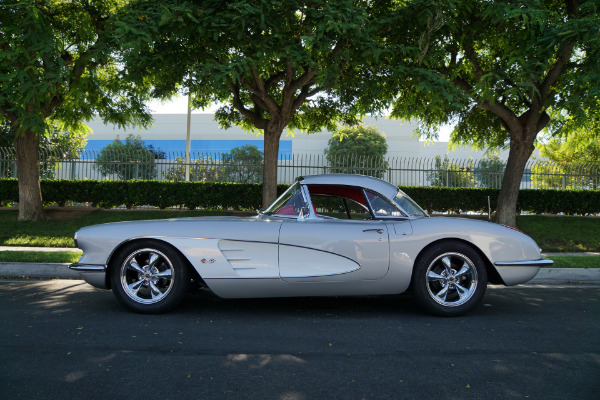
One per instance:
(168,133)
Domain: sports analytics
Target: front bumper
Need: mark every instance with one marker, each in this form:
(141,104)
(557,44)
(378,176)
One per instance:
(94,274)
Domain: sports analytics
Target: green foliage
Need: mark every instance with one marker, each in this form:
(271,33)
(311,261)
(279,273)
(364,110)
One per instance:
(58,144)
(501,71)
(366,147)
(73,73)
(449,174)
(161,194)
(232,53)
(490,170)
(579,152)
(202,169)
(443,199)
(480,64)
(59,62)
(128,160)
(582,146)
(243,164)
(272,64)
(247,196)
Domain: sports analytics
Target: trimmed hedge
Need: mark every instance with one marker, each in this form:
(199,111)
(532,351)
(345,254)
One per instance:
(161,194)
(536,201)
(247,196)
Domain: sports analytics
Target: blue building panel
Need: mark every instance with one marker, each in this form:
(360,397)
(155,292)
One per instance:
(202,146)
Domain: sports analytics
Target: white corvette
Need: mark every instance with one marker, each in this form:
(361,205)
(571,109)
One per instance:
(327,235)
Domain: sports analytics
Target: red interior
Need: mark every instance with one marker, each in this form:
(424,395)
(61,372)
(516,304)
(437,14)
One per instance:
(340,191)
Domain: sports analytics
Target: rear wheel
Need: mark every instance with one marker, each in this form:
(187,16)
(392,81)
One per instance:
(450,279)
(149,277)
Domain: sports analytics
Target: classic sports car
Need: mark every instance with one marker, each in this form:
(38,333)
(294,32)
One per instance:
(327,235)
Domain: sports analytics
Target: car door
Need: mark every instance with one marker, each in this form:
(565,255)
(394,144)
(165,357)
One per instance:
(333,250)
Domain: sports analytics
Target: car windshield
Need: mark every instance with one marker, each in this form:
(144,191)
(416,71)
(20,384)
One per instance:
(409,206)
(289,203)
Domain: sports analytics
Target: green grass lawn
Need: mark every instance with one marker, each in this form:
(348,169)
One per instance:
(562,233)
(575,262)
(59,232)
(38,256)
(552,233)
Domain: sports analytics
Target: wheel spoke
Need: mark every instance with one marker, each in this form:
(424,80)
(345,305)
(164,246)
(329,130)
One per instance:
(134,266)
(434,277)
(462,291)
(465,268)
(155,291)
(443,293)
(447,265)
(135,286)
(153,258)
(167,273)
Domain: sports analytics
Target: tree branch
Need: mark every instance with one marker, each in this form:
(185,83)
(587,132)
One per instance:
(239,105)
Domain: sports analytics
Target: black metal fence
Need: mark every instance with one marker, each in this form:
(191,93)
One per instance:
(213,167)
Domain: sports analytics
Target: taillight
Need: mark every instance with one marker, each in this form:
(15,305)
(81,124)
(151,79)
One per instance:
(514,229)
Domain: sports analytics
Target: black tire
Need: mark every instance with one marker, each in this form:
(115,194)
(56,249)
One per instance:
(449,279)
(149,277)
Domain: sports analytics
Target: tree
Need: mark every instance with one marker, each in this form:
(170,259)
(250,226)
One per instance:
(243,164)
(58,63)
(499,70)
(271,63)
(202,169)
(490,170)
(571,157)
(128,160)
(60,143)
(357,150)
(450,174)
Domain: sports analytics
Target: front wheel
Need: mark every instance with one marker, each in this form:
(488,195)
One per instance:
(149,277)
(450,279)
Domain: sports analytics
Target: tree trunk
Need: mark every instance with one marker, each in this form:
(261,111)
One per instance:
(28,175)
(272,134)
(519,153)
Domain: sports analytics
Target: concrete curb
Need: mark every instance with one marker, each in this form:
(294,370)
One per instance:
(37,270)
(567,275)
(556,276)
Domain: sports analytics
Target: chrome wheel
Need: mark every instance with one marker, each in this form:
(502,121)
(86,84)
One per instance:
(147,276)
(451,279)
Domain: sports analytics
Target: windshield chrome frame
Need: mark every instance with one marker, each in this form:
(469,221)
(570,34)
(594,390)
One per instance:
(392,203)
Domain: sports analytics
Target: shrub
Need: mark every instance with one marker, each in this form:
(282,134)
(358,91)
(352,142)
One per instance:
(247,196)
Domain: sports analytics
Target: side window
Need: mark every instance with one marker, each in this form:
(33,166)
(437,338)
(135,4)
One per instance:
(339,207)
(381,207)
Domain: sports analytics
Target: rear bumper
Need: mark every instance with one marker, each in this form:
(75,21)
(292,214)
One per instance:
(515,272)
(530,263)
(94,274)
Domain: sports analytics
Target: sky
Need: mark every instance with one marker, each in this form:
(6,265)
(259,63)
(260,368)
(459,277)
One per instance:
(178,105)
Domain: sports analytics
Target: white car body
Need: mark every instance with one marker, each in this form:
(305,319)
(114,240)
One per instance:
(309,254)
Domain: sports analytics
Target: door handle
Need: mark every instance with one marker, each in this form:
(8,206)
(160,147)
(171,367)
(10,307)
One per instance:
(378,230)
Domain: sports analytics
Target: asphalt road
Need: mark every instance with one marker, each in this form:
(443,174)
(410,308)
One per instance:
(62,339)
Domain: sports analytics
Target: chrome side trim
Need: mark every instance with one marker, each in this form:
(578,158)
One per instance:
(322,251)
(87,267)
(529,263)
